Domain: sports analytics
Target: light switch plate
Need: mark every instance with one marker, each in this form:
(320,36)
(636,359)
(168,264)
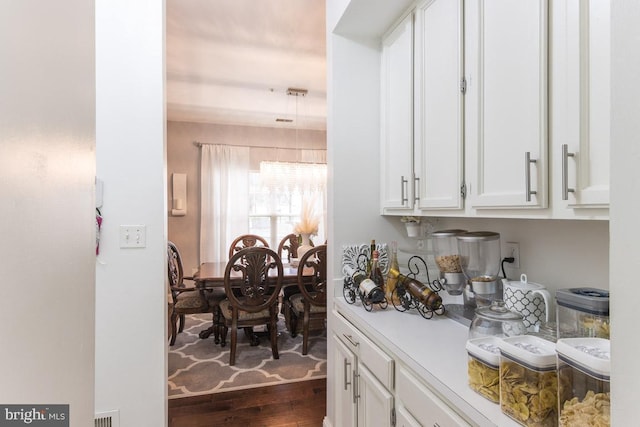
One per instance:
(133,236)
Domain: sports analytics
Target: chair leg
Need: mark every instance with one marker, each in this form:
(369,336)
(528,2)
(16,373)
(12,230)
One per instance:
(181,328)
(174,328)
(305,331)
(223,338)
(216,325)
(294,324)
(234,341)
(273,327)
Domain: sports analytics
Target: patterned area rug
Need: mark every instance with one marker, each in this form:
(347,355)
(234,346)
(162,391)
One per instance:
(198,366)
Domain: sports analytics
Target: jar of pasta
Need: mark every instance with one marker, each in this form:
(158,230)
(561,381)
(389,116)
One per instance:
(584,366)
(483,368)
(528,381)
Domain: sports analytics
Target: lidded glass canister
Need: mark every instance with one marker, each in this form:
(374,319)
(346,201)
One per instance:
(447,256)
(480,260)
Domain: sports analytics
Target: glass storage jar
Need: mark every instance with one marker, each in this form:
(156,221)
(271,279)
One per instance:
(528,381)
(496,320)
(447,256)
(584,367)
(483,367)
(582,312)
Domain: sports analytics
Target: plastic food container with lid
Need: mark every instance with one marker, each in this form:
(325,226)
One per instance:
(483,367)
(582,312)
(584,367)
(528,381)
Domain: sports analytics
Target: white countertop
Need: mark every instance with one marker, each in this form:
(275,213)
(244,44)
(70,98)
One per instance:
(434,349)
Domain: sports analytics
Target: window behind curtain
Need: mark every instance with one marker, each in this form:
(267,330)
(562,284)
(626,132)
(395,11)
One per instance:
(272,215)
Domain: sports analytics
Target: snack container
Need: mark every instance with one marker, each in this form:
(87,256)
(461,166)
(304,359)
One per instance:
(528,381)
(584,367)
(484,367)
(582,312)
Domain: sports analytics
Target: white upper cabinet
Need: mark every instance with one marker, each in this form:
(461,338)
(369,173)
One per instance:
(506,136)
(583,133)
(439,106)
(396,163)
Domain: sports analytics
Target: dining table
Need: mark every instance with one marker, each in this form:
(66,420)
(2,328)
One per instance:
(210,275)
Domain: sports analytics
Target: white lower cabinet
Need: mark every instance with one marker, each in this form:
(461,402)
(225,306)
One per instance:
(373,388)
(404,418)
(375,406)
(344,393)
(422,404)
(364,376)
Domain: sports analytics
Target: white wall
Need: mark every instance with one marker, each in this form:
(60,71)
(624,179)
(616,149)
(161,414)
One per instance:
(131,307)
(625,205)
(47,169)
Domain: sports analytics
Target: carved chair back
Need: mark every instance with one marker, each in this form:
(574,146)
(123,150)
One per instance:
(312,276)
(253,278)
(246,241)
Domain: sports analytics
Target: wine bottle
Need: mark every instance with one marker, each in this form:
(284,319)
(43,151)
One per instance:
(356,276)
(418,290)
(372,292)
(376,273)
(390,285)
(370,261)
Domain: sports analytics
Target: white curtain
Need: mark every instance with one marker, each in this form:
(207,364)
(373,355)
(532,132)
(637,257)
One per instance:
(224,186)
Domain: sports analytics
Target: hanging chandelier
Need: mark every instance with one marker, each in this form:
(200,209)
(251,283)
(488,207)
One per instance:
(293,176)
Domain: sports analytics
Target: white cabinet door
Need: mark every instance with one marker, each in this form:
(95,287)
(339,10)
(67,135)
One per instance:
(344,393)
(584,151)
(375,403)
(396,154)
(405,419)
(427,408)
(439,118)
(506,103)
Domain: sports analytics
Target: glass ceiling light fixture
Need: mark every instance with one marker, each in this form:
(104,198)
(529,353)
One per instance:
(293,176)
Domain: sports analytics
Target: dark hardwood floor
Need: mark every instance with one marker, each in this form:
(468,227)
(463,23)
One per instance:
(300,404)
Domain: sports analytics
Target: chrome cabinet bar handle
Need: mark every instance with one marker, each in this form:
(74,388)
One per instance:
(527,175)
(565,172)
(403,196)
(416,188)
(356,393)
(351,340)
(346,377)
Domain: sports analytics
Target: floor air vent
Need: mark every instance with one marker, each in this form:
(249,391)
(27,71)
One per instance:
(108,419)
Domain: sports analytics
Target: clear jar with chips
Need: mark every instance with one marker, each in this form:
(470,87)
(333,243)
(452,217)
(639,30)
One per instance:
(584,367)
(483,368)
(528,381)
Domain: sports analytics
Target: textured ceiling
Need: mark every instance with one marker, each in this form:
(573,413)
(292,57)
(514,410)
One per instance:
(231,61)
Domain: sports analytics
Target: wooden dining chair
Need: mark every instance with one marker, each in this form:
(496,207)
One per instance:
(310,303)
(246,241)
(189,299)
(289,244)
(252,282)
